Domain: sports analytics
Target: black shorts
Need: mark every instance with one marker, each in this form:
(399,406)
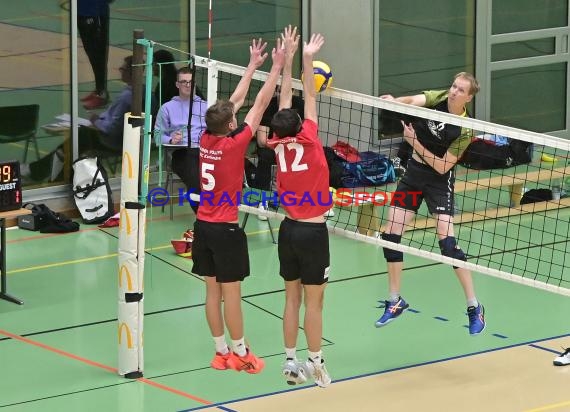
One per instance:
(304,252)
(422,182)
(220,250)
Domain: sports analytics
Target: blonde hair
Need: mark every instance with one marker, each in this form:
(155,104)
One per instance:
(473,82)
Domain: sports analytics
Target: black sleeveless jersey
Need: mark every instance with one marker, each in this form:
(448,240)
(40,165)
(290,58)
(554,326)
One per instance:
(436,136)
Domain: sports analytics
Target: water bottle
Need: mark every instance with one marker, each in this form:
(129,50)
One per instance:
(565,187)
(556,189)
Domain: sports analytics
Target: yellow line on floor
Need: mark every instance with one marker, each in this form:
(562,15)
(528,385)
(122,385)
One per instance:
(74,261)
(63,263)
(260,232)
(549,407)
(91,259)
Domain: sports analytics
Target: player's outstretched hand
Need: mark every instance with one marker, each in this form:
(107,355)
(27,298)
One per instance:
(256,55)
(278,55)
(290,39)
(314,45)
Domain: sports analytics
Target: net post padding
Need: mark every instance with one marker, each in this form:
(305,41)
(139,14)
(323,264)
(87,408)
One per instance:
(132,229)
(131,254)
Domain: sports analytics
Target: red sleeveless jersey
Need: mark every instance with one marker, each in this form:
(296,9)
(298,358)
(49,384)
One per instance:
(222,173)
(302,173)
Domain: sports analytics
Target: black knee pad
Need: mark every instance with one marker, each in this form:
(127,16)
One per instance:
(449,248)
(390,254)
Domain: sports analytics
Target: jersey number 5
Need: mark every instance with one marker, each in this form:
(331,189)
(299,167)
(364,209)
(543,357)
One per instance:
(296,165)
(206,175)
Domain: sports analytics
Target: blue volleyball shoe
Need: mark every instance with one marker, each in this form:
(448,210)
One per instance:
(476,317)
(391,311)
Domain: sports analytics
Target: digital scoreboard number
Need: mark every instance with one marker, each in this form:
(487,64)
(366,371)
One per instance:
(10,186)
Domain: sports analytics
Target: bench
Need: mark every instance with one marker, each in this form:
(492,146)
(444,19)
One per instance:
(368,221)
(501,212)
(515,184)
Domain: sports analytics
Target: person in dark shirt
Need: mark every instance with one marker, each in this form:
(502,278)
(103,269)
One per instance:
(437,147)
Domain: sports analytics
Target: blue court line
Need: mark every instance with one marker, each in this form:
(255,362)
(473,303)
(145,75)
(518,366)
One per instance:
(441,318)
(497,335)
(545,349)
(528,343)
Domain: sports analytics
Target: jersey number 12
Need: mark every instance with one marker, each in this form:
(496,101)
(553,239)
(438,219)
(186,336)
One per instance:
(296,165)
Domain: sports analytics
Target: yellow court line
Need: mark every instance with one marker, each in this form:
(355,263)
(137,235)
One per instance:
(91,259)
(260,232)
(72,262)
(65,262)
(549,407)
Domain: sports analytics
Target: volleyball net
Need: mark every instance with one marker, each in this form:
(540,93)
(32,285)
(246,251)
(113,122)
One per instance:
(511,203)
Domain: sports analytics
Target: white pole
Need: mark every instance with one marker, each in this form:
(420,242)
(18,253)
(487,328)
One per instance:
(131,255)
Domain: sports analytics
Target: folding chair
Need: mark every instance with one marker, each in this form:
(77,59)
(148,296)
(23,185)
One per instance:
(18,124)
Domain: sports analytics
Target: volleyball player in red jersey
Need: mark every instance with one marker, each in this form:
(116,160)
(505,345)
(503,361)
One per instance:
(304,256)
(220,246)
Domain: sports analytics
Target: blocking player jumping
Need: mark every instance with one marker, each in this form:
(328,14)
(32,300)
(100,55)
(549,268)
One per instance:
(303,236)
(220,251)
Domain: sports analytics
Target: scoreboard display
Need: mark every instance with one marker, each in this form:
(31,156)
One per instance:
(10,186)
